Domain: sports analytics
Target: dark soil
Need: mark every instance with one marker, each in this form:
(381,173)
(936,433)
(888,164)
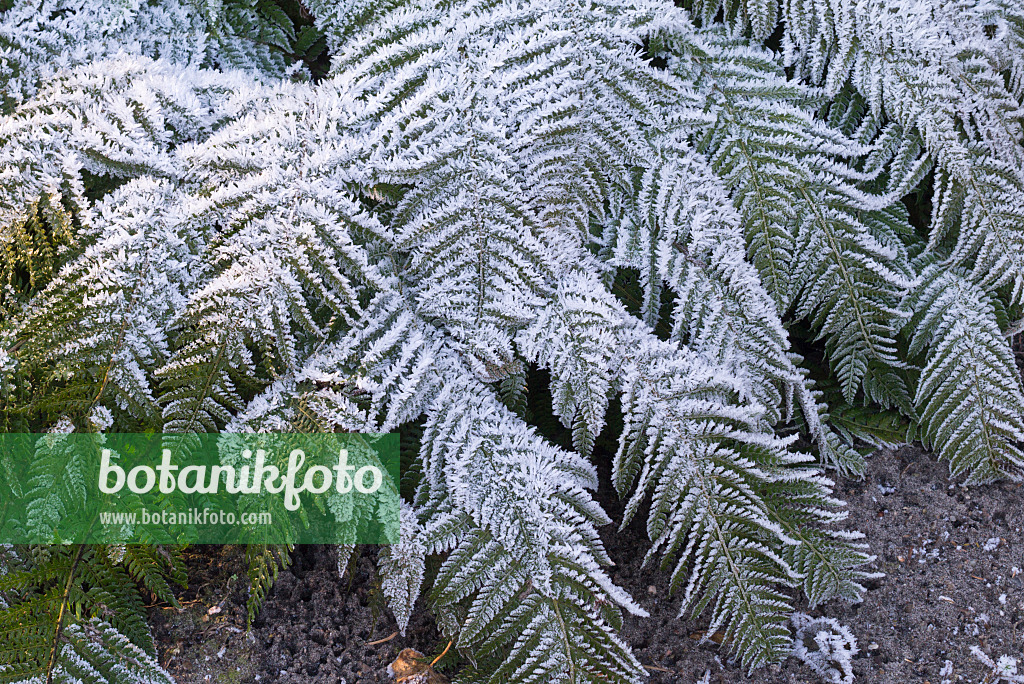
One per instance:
(953,560)
(940,594)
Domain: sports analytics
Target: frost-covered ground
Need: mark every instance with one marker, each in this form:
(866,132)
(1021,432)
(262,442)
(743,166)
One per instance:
(953,558)
(954,565)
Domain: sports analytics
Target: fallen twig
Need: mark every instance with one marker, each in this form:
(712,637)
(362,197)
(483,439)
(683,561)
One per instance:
(384,640)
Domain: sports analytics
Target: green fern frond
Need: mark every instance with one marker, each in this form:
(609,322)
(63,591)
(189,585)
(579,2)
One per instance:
(263,563)
(74,613)
(879,429)
(970,394)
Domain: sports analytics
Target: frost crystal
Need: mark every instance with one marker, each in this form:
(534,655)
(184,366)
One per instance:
(826,646)
(101,418)
(1003,669)
(618,209)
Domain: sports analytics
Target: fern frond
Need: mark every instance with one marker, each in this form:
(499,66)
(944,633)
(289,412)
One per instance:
(73,613)
(575,337)
(913,69)
(718,504)
(722,310)
(970,394)
(402,567)
(526,555)
(263,563)
(853,288)
(99,338)
(39,38)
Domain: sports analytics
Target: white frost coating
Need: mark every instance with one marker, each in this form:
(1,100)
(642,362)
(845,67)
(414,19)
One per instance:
(1003,669)
(402,566)
(101,418)
(826,646)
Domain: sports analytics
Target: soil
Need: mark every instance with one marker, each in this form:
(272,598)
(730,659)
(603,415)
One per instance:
(953,560)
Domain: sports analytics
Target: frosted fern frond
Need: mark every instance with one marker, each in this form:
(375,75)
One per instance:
(197,390)
(376,377)
(541,518)
(390,357)
(39,38)
(709,518)
(723,498)
(520,633)
(566,532)
(759,132)
(532,60)
(694,243)
(1007,47)
(131,280)
(795,182)
(549,491)
(475,255)
(525,553)
(287,244)
(575,337)
(402,567)
(986,205)
(722,310)
(340,21)
(970,394)
(853,287)
(802,213)
(934,69)
(247,34)
(117,119)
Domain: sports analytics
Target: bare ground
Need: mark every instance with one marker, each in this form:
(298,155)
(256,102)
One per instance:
(953,560)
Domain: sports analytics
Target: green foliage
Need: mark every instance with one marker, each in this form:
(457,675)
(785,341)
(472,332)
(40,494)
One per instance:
(74,613)
(523,235)
(868,424)
(263,563)
(266,35)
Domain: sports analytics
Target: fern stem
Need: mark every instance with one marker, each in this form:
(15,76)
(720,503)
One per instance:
(55,647)
(565,639)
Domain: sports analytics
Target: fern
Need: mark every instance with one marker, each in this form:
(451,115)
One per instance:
(115,341)
(970,392)
(263,563)
(73,613)
(403,567)
(621,206)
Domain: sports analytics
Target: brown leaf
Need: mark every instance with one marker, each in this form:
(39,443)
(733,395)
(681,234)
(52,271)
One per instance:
(717,637)
(412,667)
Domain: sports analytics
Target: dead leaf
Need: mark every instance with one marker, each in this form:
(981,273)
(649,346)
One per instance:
(412,667)
(717,637)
